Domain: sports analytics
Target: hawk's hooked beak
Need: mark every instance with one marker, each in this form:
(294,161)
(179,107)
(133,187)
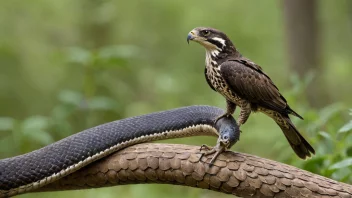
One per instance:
(191,36)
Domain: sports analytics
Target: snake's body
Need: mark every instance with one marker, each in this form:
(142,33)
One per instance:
(30,171)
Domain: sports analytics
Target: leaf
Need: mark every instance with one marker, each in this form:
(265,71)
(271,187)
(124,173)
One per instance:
(329,111)
(79,55)
(342,164)
(62,111)
(102,103)
(326,135)
(34,123)
(70,97)
(345,128)
(41,137)
(341,174)
(349,151)
(315,164)
(6,123)
(34,128)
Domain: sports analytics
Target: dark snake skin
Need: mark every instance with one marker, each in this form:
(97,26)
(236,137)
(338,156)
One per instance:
(42,163)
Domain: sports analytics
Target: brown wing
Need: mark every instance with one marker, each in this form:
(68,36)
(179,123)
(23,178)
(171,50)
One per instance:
(248,81)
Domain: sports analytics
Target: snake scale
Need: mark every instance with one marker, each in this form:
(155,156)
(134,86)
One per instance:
(28,172)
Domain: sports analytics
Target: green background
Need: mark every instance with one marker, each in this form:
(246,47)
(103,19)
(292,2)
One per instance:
(70,65)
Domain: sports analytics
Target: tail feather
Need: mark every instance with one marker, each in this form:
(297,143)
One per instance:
(291,111)
(301,146)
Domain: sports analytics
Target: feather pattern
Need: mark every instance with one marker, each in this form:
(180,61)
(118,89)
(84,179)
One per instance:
(249,82)
(244,83)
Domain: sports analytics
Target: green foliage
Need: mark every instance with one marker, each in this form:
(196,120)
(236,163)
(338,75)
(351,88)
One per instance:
(70,65)
(333,144)
(107,56)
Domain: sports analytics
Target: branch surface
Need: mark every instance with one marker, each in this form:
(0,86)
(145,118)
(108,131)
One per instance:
(235,173)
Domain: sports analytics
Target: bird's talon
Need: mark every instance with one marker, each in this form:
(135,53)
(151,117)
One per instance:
(217,150)
(207,150)
(205,147)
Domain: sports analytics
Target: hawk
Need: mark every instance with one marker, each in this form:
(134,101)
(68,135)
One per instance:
(244,83)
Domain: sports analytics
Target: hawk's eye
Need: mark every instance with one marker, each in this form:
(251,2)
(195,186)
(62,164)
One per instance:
(206,32)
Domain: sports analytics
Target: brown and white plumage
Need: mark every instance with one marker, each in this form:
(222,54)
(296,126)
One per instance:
(244,84)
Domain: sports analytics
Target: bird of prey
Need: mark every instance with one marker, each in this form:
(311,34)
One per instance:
(244,83)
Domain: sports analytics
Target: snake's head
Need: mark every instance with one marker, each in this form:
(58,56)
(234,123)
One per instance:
(224,140)
(229,132)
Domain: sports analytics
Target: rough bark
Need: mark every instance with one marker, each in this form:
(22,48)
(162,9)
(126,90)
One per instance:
(232,173)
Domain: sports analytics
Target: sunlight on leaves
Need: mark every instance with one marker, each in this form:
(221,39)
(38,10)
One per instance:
(345,128)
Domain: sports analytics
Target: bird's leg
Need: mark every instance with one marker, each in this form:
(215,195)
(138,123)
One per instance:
(217,149)
(217,153)
(244,113)
(230,109)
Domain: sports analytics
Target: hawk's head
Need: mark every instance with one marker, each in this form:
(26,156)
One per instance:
(212,39)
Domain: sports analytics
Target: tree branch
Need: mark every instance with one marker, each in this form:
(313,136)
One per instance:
(233,173)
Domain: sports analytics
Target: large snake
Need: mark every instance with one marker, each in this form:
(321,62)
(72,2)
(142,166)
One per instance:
(33,170)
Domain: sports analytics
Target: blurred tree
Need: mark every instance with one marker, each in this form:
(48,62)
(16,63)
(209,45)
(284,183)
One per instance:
(303,47)
(350,13)
(96,29)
